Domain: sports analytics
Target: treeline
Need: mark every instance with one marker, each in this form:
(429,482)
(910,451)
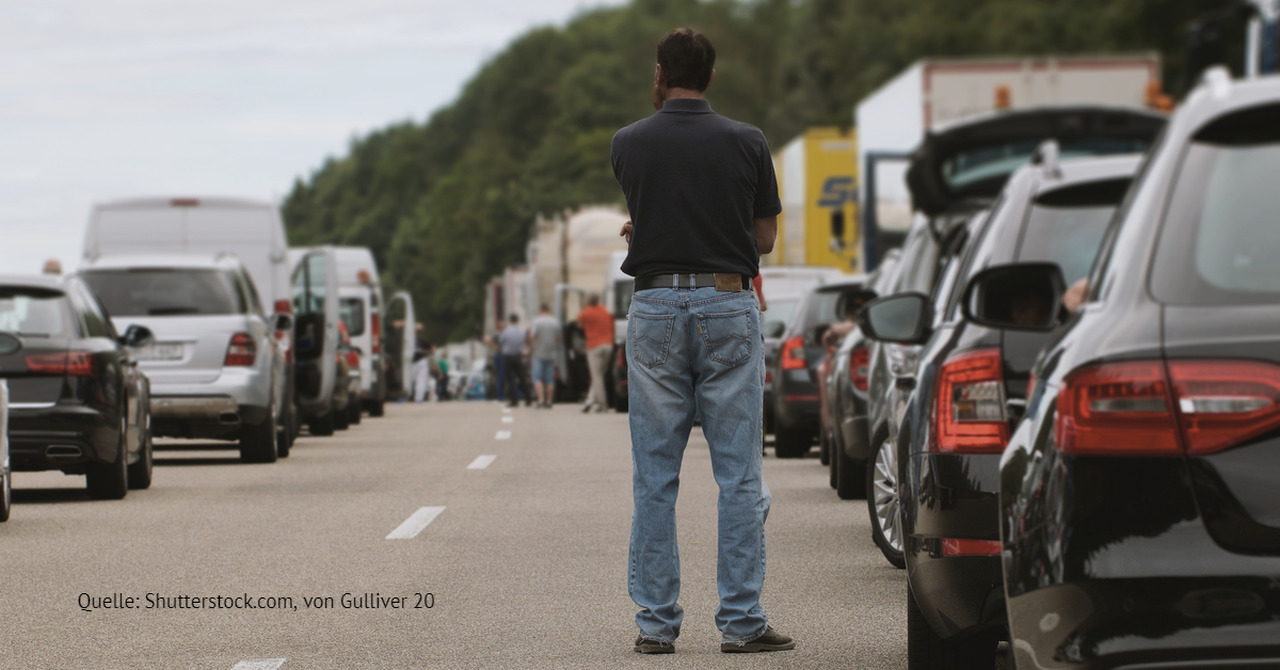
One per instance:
(448,203)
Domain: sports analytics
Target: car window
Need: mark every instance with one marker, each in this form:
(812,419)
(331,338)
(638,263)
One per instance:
(165,292)
(623,290)
(33,312)
(1221,236)
(1067,227)
(95,321)
(821,308)
(778,315)
(352,312)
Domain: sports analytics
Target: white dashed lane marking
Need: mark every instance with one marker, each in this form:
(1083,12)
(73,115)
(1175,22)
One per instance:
(503,435)
(264,664)
(482,461)
(506,410)
(508,419)
(414,524)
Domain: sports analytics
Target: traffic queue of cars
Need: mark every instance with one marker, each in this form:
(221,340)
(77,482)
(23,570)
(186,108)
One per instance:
(1065,401)
(187,319)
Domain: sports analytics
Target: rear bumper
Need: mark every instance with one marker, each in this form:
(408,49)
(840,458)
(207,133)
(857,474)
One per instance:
(203,416)
(1149,623)
(246,386)
(62,437)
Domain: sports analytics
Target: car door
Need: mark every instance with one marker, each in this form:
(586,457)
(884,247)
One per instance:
(315,306)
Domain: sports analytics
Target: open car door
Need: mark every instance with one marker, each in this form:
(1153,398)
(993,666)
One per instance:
(401,342)
(315,308)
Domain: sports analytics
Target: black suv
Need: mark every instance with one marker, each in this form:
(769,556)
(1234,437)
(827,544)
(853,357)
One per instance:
(1139,506)
(972,379)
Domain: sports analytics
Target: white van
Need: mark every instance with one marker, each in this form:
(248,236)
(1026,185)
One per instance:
(360,305)
(252,230)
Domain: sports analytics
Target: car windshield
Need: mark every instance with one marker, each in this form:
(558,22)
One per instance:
(34,313)
(1222,237)
(352,312)
(778,315)
(165,292)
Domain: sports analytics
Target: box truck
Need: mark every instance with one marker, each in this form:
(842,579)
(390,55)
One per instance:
(817,182)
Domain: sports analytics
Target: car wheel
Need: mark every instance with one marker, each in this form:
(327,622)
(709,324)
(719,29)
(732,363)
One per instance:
(140,472)
(824,448)
(283,442)
(258,443)
(341,420)
(323,425)
(620,402)
(6,498)
(354,412)
(110,481)
(789,441)
(882,504)
(377,408)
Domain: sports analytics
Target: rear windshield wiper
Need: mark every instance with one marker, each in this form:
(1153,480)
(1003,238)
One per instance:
(168,311)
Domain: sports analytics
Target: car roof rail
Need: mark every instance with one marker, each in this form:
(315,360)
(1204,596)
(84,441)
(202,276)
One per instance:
(1047,157)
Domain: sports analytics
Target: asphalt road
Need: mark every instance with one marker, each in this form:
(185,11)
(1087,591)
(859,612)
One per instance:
(525,565)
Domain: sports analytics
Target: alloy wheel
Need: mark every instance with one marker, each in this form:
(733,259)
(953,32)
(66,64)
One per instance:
(885,483)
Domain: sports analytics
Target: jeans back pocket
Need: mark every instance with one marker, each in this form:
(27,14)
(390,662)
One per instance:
(650,338)
(727,336)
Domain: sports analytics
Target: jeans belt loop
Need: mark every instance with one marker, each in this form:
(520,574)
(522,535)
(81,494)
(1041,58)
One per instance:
(675,281)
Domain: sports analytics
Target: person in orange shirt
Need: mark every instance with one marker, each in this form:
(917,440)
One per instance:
(597,325)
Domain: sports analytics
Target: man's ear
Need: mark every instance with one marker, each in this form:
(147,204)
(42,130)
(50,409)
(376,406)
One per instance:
(712,78)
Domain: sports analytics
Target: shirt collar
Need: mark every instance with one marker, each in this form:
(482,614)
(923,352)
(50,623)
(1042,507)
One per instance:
(687,106)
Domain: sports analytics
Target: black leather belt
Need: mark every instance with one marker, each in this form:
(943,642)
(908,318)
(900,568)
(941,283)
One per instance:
(723,281)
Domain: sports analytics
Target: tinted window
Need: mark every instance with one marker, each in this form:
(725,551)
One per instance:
(1221,237)
(160,292)
(36,313)
(1066,226)
(352,312)
(821,308)
(623,290)
(95,320)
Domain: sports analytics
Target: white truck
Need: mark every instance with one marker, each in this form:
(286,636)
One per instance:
(892,120)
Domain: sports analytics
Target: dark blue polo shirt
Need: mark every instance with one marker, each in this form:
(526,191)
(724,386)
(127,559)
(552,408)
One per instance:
(694,183)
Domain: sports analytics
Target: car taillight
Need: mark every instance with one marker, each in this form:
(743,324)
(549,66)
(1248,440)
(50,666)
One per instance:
(353,359)
(969,409)
(860,368)
(284,307)
(241,351)
(73,363)
(375,330)
(1153,408)
(793,354)
(955,547)
(284,337)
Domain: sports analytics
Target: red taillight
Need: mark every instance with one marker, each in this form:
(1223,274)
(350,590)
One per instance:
(375,330)
(860,368)
(1117,408)
(954,547)
(1150,408)
(353,359)
(73,363)
(284,307)
(969,409)
(241,352)
(184,202)
(793,354)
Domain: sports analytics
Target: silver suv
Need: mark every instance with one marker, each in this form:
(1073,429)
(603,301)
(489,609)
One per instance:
(215,366)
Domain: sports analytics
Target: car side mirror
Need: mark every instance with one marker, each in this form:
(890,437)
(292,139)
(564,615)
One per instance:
(10,344)
(775,329)
(905,318)
(1020,296)
(137,336)
(282,322)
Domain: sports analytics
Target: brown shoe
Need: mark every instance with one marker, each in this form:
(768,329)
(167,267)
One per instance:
(772,640)
(648,645)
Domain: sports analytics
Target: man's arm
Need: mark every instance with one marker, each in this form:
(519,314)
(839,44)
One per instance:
(766,233)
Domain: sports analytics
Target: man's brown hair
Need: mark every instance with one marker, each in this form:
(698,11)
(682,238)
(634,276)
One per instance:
(687,58)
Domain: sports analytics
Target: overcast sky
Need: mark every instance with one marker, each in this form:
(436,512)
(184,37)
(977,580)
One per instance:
(101,99)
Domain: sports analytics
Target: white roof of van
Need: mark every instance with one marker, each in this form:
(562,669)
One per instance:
(159,260)
(152,202)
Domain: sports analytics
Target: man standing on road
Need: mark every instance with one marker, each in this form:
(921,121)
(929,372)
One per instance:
(703,197)
(597,327)
(546,335)
(511,345)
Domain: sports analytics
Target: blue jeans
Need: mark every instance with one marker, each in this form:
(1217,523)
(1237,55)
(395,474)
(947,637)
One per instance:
(696,348)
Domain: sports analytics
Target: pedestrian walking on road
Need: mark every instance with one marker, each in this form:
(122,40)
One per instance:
(597,326)
(703,200)
(545,334)
(511,343)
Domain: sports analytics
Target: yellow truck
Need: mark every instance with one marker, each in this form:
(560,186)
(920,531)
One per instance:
(818,183)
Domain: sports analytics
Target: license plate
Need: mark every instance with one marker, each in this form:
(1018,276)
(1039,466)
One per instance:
(163,351)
